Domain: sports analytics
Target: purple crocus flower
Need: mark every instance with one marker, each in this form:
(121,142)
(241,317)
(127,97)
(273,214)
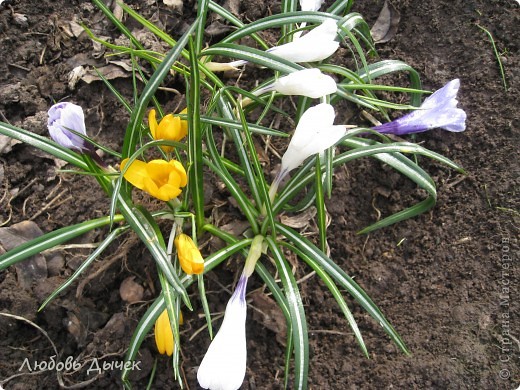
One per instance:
(64,117)
(438,110)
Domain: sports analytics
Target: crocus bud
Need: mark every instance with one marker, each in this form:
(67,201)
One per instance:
(316,45)
(189,255)
(224,365)
(438,110)
(308,82)
(161,179)
(315,133)
(170,128)
(163,333)
(64,117)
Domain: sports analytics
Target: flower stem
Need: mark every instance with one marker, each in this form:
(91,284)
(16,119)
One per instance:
(255,251)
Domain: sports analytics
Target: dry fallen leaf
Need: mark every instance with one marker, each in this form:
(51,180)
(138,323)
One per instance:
(269,314)
(385,27)
(301,220)
(7,143)
(75,75)
(114,70)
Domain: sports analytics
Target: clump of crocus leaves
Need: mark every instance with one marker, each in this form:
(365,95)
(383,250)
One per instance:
(167,157)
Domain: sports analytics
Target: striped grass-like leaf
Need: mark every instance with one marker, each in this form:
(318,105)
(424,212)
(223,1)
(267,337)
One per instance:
(345,281)
(43,144)
(336,293)
(297,314)
(85,264)
(49,240)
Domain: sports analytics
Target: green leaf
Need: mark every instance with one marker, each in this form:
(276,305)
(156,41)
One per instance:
(43,144)
(256,56)
(85,264)
(133,129)
(148,320)
(298,321)
(217,166)
(49,240)
(390,66)
(336,293)
(278,20)
(195,156)
(343,280)
(144,228)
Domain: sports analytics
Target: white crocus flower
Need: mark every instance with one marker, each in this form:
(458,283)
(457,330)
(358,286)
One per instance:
(315,133)
(307,5)
(307,82)
(224,365)
(316,45)
(310,5)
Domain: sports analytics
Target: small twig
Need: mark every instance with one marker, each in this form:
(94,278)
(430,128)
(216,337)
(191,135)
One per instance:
(308,276)
(195,334)
(51,203)
(454,183)
(20,67)
(60,380)
(106,265)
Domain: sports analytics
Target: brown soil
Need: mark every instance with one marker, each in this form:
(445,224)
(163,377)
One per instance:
(445,279)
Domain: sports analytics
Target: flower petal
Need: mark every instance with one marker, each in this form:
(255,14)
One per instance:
(224,365)
(136,173)
(152,122)
(161,179)
(310,5)
(163,334)
(179,168)
(190,258)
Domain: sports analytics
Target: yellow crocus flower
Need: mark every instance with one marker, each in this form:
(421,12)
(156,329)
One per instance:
(189,255)
(163,333)
(161,179)
(170,128)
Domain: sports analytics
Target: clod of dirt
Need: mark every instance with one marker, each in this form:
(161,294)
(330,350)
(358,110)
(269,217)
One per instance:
(175,4)
(20,20)
(37,124)
(112,336)
(55,264)
(75,327)
(131,291)
(32,269)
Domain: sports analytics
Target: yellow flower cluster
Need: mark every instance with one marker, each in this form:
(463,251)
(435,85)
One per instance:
(160,178)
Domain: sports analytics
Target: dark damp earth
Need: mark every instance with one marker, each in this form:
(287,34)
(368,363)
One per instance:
(447,280)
